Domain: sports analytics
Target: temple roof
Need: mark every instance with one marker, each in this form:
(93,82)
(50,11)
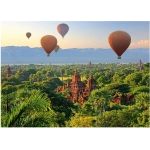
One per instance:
(76,77)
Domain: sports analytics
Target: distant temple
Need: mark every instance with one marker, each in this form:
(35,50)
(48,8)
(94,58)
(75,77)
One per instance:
(79,91)
(141,65)
(8,72)
(90,64)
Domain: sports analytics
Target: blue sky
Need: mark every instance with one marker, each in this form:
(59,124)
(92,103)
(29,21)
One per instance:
(81,34)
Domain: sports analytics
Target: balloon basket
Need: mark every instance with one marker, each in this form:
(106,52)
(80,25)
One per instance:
(119,57)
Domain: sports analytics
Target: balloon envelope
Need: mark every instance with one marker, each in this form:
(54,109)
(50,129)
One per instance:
(28,34)
(62,29)
(56,48)
(48,43)
(119,41)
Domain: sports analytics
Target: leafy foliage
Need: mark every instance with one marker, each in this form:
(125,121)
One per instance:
(32,112)
(29,97)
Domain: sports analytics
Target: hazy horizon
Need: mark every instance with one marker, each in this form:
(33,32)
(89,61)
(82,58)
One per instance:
(75,47)
(27,55)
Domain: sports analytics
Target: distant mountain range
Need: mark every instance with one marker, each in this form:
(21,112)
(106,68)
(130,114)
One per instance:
(27,55)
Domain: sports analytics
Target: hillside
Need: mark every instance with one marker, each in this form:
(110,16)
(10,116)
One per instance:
(27,55)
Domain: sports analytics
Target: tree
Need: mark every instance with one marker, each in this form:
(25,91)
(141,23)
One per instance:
(127,71)
(62,71)
(33,112)
(143,119)
(51,84)
(133,79)
(142,100)
(140,89)
(6,91)
(118,118)
(89,109)
(60,105)
(24,75)
(101,99)
(31,78)
(67,72)
(97,75)
(102,80)
(49,74)
(146,66)
(108,74)
(145,79)
(118,87)
(116,78)
(82,121)
(38,74)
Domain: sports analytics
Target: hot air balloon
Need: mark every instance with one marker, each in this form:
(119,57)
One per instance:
(119,41)
(48,43)
(28,34)
(56,48)
(62,29)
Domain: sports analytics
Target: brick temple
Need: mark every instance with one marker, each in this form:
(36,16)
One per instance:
(79,91)
(8,72)
(141,65)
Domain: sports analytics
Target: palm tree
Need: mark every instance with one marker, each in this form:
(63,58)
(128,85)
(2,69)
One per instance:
(62,71)
(33,111)
(101,98)
(68,73)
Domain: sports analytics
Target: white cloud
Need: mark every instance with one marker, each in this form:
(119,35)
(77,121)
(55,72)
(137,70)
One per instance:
(140,44)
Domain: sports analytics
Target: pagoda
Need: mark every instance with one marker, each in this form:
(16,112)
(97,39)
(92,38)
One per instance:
(8,72)
(141,65)
(90,64)
(78,90)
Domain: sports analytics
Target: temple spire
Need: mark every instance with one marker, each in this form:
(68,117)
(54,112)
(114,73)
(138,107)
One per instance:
(8,71)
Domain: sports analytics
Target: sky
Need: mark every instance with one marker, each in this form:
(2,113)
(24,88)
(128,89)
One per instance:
(81,34)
